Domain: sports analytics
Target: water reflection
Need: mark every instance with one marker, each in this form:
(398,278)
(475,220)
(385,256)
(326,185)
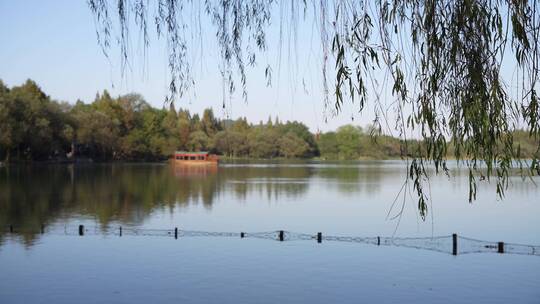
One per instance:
(129,193)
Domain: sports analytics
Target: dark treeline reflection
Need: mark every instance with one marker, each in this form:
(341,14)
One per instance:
(128,193)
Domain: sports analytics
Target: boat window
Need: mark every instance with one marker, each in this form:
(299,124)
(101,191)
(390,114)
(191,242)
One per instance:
(192,157)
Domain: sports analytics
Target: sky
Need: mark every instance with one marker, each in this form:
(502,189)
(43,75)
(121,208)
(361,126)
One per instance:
(54,43)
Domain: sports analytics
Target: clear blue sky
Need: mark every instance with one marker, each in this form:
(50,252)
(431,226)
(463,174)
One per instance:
(54,43)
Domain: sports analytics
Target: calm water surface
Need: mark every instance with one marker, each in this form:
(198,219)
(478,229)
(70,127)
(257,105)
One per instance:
(334,198)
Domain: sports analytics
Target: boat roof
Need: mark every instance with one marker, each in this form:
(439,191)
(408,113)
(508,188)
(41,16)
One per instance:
(187,152)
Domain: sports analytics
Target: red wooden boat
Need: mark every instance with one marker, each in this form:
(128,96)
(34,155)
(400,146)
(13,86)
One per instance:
(195,158)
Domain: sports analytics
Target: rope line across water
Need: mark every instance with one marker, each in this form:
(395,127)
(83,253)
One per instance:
(444,244)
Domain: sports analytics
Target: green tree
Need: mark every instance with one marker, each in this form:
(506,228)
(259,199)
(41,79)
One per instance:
(196,123)
(184,129)
(198,141)
(262,142)
(241,125)
(154,132)
(348,140)
(328,145)
(301,131)
(10,131)
(132,105)
(209,123)
(292,145)
(40,122)
(96,133)
(105,104)
(172,132)
(231,143)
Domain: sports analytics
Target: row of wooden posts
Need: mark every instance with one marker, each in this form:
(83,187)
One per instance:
(281,236)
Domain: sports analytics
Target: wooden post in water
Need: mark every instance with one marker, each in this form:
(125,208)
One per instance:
(42,229)
(120,230)
(242,235)
(175,233)
(281,235)
(81,230)
(378,241)
(454,244)
(10,228)
(500,247)
(319,237)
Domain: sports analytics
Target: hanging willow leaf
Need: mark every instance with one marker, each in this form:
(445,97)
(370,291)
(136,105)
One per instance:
(444,60)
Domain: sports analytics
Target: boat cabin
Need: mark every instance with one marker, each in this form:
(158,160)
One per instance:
(184,157)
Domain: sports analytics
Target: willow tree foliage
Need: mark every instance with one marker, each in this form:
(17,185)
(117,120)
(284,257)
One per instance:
(443,62)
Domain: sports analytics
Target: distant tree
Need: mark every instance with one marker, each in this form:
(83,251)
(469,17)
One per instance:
(231,143)
(3,88)
(302,131)
(184,129)
(110,107)
(40,122)
(291,145)
(379,146)
(96,133)
(171,131)
(198,141)
(348,139)
(328,145)
(241,125)
(154,132)
(10,130)
(209,123)
(135,146)
(269,123)
(262,142)
(196,124)
(132,105)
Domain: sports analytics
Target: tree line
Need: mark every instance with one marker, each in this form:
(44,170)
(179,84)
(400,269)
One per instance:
(35,127)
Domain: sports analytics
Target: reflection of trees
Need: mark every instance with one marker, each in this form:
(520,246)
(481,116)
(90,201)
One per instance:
(268,180)
(125,193)
(351,178)
(31,196)
(129,193)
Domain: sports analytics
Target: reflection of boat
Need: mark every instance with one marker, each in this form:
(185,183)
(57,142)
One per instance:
(195,158)
(194,171)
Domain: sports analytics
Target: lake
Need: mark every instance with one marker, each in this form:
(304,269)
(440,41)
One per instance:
(335,198)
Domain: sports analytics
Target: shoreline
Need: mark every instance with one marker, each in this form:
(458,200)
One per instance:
(222,159)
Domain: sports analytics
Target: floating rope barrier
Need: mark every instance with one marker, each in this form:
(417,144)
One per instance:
(450,244)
